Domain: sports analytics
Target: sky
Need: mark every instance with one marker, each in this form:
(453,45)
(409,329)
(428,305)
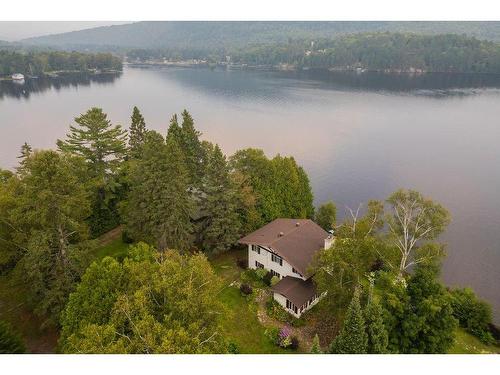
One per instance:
(16,30)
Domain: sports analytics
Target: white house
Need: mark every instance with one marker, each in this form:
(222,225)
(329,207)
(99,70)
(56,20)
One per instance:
(286,248)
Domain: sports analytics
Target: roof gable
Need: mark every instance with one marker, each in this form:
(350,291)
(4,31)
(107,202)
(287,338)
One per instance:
(296,240)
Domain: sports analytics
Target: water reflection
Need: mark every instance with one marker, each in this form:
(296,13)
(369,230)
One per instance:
(24,89)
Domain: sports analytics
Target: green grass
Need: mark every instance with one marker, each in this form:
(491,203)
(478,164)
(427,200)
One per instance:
(465,343)
(240,324)
(116,248)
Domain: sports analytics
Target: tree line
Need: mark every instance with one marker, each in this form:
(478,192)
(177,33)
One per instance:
(40,62)
(179,199)
(377,51)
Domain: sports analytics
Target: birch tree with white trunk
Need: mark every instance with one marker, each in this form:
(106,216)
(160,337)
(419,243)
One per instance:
(414,222)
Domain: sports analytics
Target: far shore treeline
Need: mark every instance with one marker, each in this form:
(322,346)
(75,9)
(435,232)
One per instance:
(34,63)
(381,51)
(180,205)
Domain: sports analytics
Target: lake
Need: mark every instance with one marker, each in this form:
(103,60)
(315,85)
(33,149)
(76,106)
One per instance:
(359,136)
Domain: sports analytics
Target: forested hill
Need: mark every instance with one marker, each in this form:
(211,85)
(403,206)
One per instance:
(217,35)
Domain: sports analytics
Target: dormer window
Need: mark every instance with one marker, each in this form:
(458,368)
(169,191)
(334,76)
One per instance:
(277,259)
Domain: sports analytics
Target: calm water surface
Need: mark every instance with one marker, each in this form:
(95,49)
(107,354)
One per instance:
(358,136)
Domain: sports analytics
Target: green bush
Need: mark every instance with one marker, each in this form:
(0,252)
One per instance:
(261,273)
(10,342)
(272,334)
(274,280)
(232,348)
(473,314)
(276,311)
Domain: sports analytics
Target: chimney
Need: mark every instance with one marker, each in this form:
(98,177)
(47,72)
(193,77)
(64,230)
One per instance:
(281,234)
(297,224)
(330,240)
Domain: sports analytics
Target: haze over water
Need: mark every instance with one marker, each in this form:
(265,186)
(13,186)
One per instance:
(359,137)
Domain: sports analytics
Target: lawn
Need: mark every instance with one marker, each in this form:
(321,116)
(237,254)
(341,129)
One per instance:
(465,343)
(241,325)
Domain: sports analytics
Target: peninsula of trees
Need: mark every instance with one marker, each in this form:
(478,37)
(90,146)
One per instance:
(39,63)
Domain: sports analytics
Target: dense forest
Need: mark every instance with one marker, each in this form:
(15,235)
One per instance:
(371,51)
(182,204)
(229,35)
(39,62)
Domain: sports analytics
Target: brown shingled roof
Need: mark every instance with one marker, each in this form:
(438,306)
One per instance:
(296,240)
(295,290)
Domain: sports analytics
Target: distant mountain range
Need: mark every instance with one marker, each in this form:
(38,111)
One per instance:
(219,35)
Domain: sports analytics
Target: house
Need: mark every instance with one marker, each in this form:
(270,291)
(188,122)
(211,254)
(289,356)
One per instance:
(286,248)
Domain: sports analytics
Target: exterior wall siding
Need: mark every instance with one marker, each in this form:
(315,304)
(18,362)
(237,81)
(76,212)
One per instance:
(264,258)
(282,301)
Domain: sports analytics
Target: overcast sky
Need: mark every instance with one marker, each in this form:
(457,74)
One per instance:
(15,30)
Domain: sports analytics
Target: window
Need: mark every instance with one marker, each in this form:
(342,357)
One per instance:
(259,265)
(277,259)
(274,273)
(256,249)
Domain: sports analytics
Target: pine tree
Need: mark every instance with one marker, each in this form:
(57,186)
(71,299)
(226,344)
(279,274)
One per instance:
(377,334)
(219,203)
(174,130)
(137,133)
(103,147)
(316,348)
(94,138)
(352,338)
(160,205)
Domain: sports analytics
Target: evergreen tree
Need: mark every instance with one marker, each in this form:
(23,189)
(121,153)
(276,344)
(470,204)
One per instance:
(377,334)
(316,348)
(352,338)
(26,151)
(49,211)
(174,130)
(137,133)
(326,215)
(159,206)
(192,149)
(103,147)
(219,202)
(95,139)
(10,342)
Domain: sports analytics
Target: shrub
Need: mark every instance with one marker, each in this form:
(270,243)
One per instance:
(274,280)
(267,278)
(472,313)
(261,273)
(284,337)
(276,311)
(232,348)
(242,263)
(246,289)
(273,334)
(295,343)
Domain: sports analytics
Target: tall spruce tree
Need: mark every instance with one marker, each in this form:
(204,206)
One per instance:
(219,204)
(159,206)
(192,149)
(103,147)
(352,338)
(137,134)
(377,334)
